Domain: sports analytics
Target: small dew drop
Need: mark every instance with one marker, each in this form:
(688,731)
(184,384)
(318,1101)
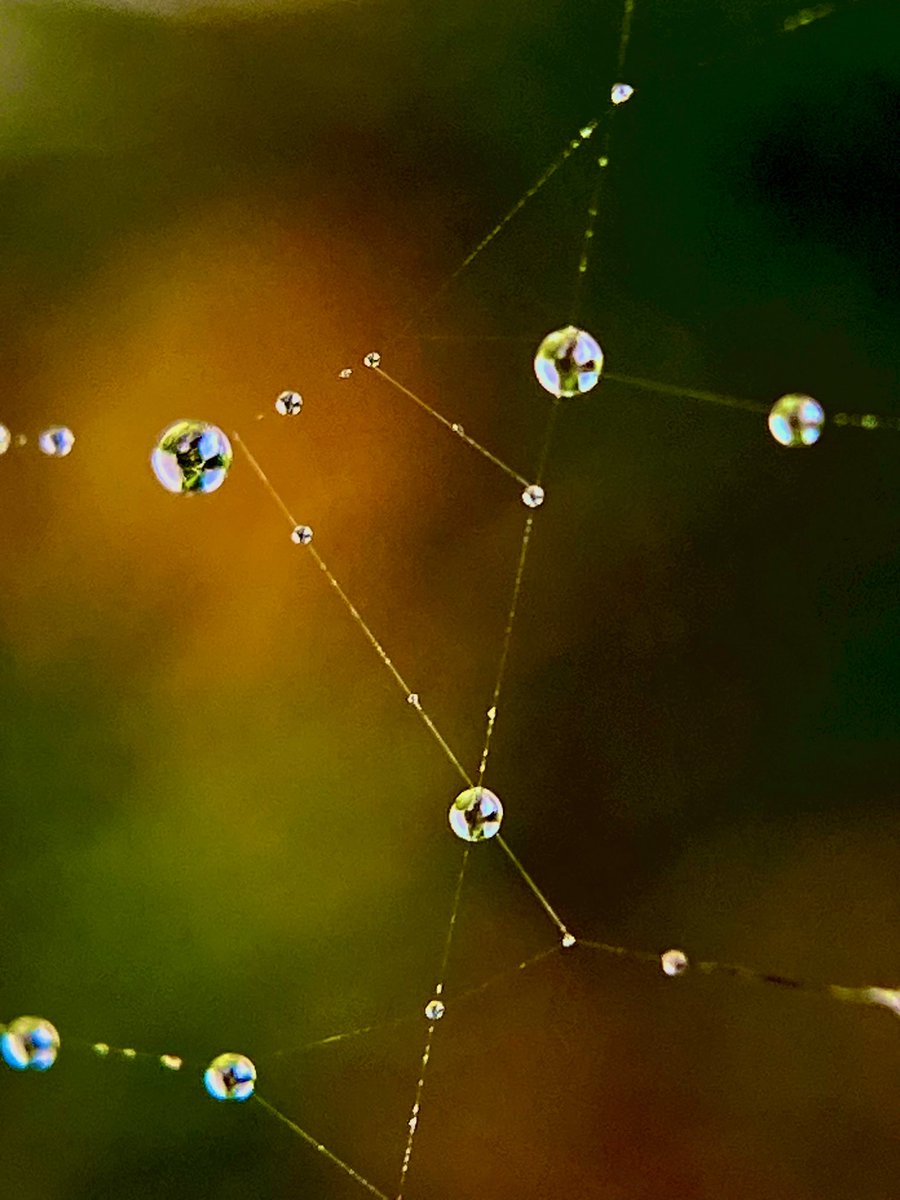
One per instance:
(603,161)
(586,130)
(5,439)
(458,429)
(870,421)
(674,962)
(171,1062)
(346,373)
(435,1009)
(129,1053)
(533,496)
(289,404)
(372,360)
(20,440)
(57,441)
(621,92)
(301,535)
(568,940)
(100,1049)
(413,699)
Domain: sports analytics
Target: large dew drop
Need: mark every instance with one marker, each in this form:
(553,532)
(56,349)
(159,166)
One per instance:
(476,814)
(568,362)
(796,420)
(30,1043)
(191,456)
(230,1077)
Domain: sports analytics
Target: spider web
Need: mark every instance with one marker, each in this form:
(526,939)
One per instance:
(516,1102)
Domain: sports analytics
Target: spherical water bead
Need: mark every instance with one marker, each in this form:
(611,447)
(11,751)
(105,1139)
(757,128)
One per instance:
(476,814)
(301,535)
(57,441)
(101,1049)
(435,1009)
(30,1043)
(674,962)
(191,456)
(796,420)
(20,440)
(230,1077)
(5,439)
(413,700)
(289,404)
(372,360)
(346,373)
(568,940)
(621,92)
(171,1062)
(568,362)
(533,496)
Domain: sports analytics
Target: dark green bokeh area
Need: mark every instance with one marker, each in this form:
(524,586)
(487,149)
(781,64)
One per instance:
(223,828)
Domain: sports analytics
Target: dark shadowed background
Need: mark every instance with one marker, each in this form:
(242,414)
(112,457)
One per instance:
(222,826)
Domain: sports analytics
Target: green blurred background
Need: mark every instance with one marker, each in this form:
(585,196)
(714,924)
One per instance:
(222,827)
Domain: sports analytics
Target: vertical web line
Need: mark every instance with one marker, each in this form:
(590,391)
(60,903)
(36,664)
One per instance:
(413,1123)
(587,240)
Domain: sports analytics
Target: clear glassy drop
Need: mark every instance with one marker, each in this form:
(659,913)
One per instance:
(30,1043)
(476,814)
(568,362)
(230,1077)
(191,456)
(796,420)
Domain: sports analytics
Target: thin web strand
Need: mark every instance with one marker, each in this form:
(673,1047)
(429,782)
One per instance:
(573,145)
(536,891)
(356,615)
(517,587)
(670,389)
(874,996)
(587,240)
(323,1150)
(413,1123)
(454,428)
(410,1018)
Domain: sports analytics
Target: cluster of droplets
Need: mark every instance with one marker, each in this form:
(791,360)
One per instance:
(56,441)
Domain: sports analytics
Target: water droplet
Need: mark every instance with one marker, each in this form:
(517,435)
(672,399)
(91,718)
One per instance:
(346,373)
(30,1043)
(586,130)
(301,535)
(20,440)
(413,699)
(568,362)
(621,92)
(568,940)
(171,1062)
(289,404)
(435,1009)
(100,1049)
(674,962)
(230,1077)
(870,421)
(796,420)
(458,429)
(57,441)
(533,496)
(191,456)
(5,439)
(476,814)
(603,161)
(372,360)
